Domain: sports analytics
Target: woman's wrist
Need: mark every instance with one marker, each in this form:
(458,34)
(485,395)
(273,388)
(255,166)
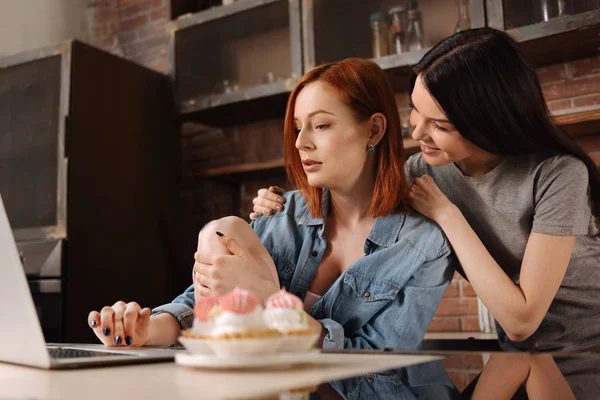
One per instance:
(446,215)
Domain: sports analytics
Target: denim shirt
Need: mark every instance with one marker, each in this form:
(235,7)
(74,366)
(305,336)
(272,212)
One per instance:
(386,299)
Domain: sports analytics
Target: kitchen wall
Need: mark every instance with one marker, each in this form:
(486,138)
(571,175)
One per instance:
(136,29)
(29,24)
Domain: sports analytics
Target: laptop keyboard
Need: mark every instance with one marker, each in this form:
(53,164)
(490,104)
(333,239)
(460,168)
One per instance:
(64,352)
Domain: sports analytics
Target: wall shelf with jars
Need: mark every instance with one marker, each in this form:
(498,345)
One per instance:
(549,31)
(395,33)
(229,54)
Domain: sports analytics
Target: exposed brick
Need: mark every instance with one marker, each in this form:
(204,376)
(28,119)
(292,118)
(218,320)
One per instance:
(133,23)
(584,67)
(159,27)
(136,8)
(401,99)
(469,324)
(590,144)
(123,2)
(459,379)
(559,104)
(457,307)
(160,66)
(466,290)
(552,73)
(472,375)
(596,158)
(572,88)
(453,290)
(103,16)
(586,100)
(444,324)
(161,13)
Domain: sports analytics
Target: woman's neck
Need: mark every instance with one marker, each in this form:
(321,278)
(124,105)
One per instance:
(350,208)
(479,163)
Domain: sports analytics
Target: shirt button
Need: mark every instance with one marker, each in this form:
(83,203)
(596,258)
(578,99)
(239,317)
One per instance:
(368,243)
(370,380)
(314,253)
(367,294)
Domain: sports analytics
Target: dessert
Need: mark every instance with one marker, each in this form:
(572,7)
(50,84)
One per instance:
(231,325)
(285,313)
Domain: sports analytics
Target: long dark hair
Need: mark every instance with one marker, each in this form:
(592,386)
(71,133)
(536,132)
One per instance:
(493,97)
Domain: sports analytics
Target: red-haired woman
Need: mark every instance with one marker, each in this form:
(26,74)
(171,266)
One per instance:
(370,272)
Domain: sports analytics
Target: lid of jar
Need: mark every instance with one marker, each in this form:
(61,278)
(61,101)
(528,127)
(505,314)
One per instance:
(413,4)
(380,16)
(397,9)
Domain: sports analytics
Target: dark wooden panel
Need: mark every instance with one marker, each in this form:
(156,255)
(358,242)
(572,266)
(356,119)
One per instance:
(29,112)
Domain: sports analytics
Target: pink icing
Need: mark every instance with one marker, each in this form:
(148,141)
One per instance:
(284,299)
(203,307)
(239,301)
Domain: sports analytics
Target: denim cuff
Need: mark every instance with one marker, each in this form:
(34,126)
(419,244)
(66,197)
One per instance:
(335,334)
(183,313)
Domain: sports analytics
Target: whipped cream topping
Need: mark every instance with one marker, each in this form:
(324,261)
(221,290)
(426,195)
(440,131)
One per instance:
(228,322)
(285,319)
(202,328)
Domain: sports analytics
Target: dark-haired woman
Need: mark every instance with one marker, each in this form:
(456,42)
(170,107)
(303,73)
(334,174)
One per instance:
(509,189)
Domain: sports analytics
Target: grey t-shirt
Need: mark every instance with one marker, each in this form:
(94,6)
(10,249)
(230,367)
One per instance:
(534,193)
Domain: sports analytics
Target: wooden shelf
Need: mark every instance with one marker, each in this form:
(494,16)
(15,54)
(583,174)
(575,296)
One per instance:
(240,172)
(251,93)
(399,67)
(215,13)
(579,122)
(561,39)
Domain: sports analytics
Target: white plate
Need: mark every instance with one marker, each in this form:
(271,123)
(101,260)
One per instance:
(265,360)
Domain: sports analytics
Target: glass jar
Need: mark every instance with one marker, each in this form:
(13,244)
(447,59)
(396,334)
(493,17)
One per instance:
(381,32)
(414,31)
(398,24)
(464,22)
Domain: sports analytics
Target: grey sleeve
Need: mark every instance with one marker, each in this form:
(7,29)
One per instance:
(561,198)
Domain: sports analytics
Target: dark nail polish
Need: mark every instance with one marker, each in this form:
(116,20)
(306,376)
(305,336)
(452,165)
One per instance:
(219,233)
(128,340)
(117,339)
(106,331)
(93,322)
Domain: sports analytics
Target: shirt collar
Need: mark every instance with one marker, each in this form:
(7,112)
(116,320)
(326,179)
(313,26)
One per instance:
(385,231)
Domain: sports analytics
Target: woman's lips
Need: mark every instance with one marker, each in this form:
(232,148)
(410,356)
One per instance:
(311,165)
(429,150)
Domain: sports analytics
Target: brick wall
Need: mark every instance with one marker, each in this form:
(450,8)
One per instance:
(136,30)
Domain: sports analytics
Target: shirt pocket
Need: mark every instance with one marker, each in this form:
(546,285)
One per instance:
(363,296)
(285,269)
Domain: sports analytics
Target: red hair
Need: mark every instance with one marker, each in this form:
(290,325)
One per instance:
(364,87)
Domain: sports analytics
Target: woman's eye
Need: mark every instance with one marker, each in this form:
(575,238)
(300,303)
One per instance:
(322,126)
(297,131)
(440,128)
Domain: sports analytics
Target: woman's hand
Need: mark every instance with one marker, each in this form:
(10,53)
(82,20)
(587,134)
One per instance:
(267,201)
(427,198)
(219,274)
(121,325)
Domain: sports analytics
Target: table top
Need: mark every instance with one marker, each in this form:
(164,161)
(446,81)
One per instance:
(347,375)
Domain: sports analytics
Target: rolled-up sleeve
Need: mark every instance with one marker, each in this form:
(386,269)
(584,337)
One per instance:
(182,308)
(403,322)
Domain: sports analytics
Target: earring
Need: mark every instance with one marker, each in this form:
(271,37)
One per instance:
(371,148)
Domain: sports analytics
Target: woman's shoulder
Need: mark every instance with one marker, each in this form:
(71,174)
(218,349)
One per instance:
(424,235)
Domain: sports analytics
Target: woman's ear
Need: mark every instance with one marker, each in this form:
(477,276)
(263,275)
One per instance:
(378,123)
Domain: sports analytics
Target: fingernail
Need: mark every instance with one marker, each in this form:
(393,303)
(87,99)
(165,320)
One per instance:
(219,233)
(268,210)
(117,339)
(128,340)
(93,322)
(280,200)
(278,208)
(106,331)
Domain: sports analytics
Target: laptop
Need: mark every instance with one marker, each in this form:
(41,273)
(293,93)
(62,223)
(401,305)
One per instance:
(21,338)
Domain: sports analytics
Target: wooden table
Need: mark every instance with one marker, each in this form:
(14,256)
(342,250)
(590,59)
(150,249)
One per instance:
(170,381)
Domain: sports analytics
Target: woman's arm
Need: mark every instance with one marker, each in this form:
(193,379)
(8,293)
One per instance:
(519,309)
(505,373)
